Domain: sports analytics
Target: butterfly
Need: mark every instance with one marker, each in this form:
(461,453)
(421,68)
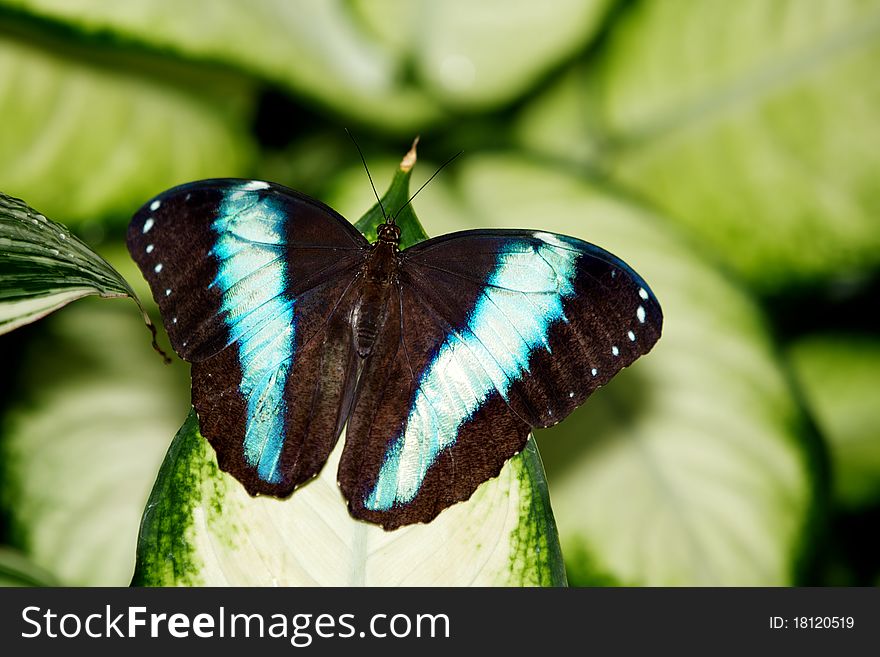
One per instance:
(438,359)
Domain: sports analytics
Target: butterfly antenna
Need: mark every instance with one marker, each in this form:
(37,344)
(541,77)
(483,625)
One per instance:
(439,169)
(363,159)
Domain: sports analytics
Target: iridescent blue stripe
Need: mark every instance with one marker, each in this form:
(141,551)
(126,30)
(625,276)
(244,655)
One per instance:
(522,299)
(252,279)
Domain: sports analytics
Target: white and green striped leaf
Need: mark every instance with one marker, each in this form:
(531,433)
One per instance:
(202,528)
(43,267)
(83,438)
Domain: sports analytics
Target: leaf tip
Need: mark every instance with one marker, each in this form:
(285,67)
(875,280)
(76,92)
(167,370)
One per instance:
(409,160)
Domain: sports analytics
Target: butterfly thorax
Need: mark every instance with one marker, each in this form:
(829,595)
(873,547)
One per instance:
(378,278)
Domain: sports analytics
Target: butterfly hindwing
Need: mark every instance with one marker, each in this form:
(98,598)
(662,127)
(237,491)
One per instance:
(495,332)
(253,281)
(274,421)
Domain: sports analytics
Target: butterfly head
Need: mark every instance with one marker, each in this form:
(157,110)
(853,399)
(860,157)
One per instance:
(389,233)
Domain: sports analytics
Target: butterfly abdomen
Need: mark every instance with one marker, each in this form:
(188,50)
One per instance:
(371,309)
(368,317)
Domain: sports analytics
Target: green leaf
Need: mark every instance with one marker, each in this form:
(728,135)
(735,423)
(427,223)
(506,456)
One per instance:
(17,570)
(43,267)
(840,377)
(479,55)
(760,138)
(200,526)
(316,49)
(82,439)
(694,466)
(88,133)
(395,201)
(356,58)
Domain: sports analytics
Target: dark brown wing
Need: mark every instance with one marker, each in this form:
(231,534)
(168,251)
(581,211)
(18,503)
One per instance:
(254,283)
(496,332)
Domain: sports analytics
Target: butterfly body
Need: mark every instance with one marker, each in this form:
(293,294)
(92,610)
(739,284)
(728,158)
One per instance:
(439,359)
(379,276)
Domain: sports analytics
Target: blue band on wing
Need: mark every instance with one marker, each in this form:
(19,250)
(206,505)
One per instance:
(252,279)
(522,298)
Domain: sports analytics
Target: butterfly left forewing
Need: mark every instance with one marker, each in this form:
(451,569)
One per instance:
(501,331)
(254,283)
(208,248)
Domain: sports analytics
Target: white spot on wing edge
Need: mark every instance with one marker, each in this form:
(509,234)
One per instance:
(158,268)
(550,238)
(150,248)
(168,292)
(640,313)
(253,185)
(594,371)
(615,350)
(155,205)
(643,293)
(148,224)
(631,336)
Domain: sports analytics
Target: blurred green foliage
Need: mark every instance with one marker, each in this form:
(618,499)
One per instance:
(727,151)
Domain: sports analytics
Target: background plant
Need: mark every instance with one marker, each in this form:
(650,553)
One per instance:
(729,151)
